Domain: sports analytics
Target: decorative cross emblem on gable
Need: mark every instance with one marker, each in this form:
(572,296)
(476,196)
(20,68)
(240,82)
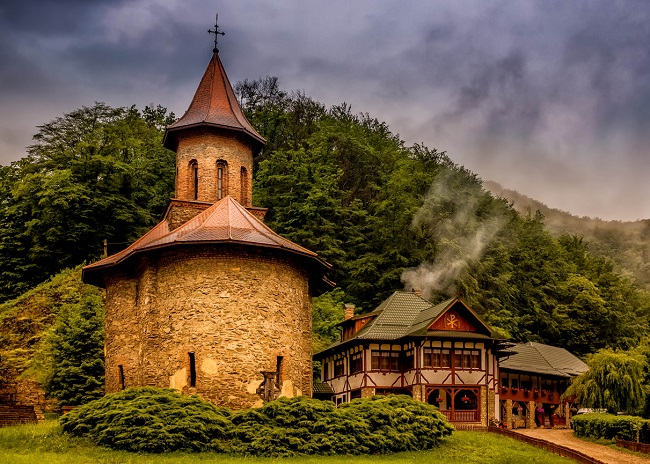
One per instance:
(452,321)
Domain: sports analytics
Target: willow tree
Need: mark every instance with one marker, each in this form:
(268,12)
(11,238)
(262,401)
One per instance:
(614,382)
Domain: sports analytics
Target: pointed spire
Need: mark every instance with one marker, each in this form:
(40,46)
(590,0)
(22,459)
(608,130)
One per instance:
(214,105)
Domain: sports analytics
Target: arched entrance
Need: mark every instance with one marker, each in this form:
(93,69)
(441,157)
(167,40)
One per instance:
(457,404)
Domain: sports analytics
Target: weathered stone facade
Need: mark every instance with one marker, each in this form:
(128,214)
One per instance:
(210,298)
(238,311)
(209,150)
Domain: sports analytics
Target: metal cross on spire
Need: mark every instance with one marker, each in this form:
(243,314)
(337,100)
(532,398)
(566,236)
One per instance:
(216,33)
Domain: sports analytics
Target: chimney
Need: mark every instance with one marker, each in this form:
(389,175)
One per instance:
(349,311)
(418,292)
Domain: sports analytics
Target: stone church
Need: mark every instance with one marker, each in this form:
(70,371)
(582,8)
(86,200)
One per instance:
(211,301)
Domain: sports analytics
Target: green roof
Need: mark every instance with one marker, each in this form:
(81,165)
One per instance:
(538,358)
(394,317)
(321,387)
(406,314)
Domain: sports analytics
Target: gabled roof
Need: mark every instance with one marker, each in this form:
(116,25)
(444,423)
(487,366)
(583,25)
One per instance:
(422,324)
(394,316)
(538,358)
(405,314)
(214,105)
(224,222)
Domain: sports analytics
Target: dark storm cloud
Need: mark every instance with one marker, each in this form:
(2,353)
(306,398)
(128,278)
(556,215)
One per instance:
(49,18)
(548,97)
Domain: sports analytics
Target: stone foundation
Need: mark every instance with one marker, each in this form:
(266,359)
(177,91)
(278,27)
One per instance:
(419,392)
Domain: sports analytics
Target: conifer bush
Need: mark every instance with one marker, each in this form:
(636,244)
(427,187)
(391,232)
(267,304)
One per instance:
(150,420)
(157,420)
(383,424)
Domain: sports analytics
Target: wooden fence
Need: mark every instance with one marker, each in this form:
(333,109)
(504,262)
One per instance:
(547,445)
(634,446)
(13,415)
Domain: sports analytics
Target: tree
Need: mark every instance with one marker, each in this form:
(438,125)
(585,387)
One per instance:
(614,382)
(77,352)
(327,313)
(96,173)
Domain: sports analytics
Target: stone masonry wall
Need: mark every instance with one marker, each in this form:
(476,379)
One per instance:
(208,146)
(236,308)
(181,211)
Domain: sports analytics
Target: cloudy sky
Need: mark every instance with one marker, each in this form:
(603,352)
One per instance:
(550,98)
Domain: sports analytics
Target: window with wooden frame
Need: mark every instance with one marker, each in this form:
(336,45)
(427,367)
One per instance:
(326,371)
(339,367)
(384,360)
(467,359)
(356,362)
(437,357)
(409,359)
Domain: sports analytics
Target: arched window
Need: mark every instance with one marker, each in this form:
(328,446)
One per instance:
(222,179)
(244,187)
(194,179)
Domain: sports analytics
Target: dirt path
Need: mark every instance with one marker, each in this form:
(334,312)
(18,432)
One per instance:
(565,437)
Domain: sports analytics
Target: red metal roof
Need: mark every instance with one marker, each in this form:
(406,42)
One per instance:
(214,105)
(224,222)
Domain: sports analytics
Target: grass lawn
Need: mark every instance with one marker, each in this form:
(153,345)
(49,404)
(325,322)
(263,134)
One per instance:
(43,444)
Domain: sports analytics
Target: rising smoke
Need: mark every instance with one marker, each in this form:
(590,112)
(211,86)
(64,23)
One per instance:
(461,222)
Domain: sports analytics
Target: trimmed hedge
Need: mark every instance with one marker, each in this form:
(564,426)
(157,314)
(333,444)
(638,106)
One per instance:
(158,420)
(609,426)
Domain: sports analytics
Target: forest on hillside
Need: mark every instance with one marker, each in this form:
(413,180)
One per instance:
(627,243)
(387,216)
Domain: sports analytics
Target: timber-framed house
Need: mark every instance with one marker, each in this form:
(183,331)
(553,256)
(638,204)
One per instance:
(443,354)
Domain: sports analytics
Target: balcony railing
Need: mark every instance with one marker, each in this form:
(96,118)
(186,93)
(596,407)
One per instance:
(461,416)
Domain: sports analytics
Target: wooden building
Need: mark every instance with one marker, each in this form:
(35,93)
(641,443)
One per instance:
(443,354)
(446,355)
(532,381)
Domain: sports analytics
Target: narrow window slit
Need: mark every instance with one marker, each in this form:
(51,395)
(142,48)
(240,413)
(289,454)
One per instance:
(278,370)
(120,369)
(192,370)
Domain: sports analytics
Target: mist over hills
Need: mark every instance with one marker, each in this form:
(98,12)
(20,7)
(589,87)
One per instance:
(627,243)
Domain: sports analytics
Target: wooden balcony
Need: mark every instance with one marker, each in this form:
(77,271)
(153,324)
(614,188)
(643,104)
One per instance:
(517,394)
(461,416)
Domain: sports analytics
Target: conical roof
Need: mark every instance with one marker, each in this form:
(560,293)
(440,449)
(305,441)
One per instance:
(214,105)
(224,222)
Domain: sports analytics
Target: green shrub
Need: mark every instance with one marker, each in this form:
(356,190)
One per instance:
(609,426)
(407,424)
(150,420)
(383,424)
(157,420)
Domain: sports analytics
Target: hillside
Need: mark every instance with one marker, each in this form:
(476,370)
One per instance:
(26,321)
(387,216)
(626,243)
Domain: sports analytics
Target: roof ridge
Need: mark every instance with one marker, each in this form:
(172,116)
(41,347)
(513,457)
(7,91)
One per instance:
(267,231)
(544,357)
